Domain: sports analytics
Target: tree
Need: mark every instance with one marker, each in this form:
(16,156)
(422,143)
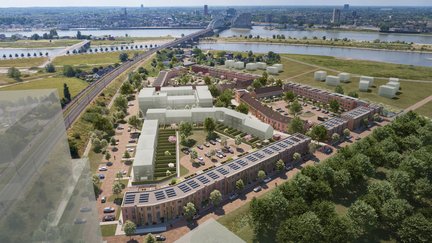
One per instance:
(107,156)
(123,57)
(189,211)
(50,68)
(335,137)
(296,125)
(289,96)
(296,156)
(238,140)
(66,93)
(261,174)
(134,122)
(334,106)
(209,126)
(68,71)
(215,197)
(257,84)
(339,89)
(117,188)
(126,88)
(150,238)
(121,103)
(319,133)
(346,132)
(240,185)
(394,211)
(303,228)
(363,216)
(353,94)
(193,154)
(129,228)
(416,228)
(243,108)
(207,80)
(280,165)
(126,155)
(14,73)
(295,107)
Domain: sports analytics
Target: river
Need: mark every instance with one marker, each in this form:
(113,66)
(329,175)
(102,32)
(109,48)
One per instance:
(398,57)
(340,34)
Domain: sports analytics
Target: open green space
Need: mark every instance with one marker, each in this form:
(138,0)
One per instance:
(129,40)
(93,58)
(108,230)
(38,43)
(75,85)
(162,157)
(425,110)
(23,62)
(384,196)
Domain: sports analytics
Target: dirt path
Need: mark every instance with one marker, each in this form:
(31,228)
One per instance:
(418,104)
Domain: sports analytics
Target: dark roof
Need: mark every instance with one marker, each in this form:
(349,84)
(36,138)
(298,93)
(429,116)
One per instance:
(160,80)
(267,111)
(268,89)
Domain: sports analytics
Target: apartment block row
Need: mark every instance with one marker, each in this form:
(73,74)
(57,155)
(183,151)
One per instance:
(160,205)
(323,96)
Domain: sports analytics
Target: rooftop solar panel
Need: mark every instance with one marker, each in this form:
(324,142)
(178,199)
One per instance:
(203,179)
(241,162)
(233,166)
(170,192)
(259,155)
(222,171)
(160,195)
(193,184)
(184,188)
(213,175)
(130,198)
(144,197)
(268,151)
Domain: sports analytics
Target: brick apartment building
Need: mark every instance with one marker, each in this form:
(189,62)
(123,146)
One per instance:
(357,115)
(160,205)
(165,75)
(241,80)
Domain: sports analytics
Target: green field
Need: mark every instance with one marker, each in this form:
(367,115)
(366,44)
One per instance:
(108,230)
(128,40)
(37,43)
(425,110)
(23,62)
(88,59)
(75,85)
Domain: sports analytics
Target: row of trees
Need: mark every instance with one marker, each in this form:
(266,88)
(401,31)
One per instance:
(383,180)
(22,55)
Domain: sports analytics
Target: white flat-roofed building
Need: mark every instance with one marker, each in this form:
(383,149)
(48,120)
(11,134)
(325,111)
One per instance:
(364,85)
(251,66)
(279,67)
(368,78)
(332,80)
(387,91)
(229,63)
(344,77)
(175,98)
(320,75)
(261,65)
(143,165)
(393,80)
(394,84)
(226,116)
(239,65)
(272,70)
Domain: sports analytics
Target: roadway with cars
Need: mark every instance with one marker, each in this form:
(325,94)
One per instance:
(73,110)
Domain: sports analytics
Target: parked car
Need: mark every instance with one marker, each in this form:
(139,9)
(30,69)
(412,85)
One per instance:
(196,216)
(120,128)
(200,147)
(130,104)
(233,196)
(207,145)
(185,150)
(103,199)
(218,140)
(108,210)
(129,129)
(208,155)
(219,156)
(103,168)
(160,238)
(257,189)
(108,218)
(266,180)
(357,138)
(80,221)
(132,141)
(200,158)
(101,176)
(212,142)
(130,150)
(85,209)
(109,163)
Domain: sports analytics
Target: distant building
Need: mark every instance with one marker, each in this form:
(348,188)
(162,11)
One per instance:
(268,18)
(231,12)
(336,16)
(142,6)
(206,10)
(346,7)
(243,21)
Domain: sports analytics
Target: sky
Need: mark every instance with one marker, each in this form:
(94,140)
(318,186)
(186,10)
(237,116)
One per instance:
(155,3)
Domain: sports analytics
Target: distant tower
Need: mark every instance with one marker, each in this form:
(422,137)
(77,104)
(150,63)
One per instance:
(205,9)
(142,6)
(336,16)
(346,7)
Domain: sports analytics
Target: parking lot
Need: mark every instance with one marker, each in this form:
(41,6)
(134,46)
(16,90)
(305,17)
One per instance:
(202,147)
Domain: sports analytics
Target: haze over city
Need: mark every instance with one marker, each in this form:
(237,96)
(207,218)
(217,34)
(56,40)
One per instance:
(173,3)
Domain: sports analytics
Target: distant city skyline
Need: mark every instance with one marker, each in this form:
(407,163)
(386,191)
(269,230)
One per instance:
(174,3)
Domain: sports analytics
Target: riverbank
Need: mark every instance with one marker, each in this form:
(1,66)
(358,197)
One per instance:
(400,47)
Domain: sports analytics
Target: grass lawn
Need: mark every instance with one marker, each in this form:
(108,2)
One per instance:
(108,230)
(23,62)
(95,160)
(183,170)
(75,85)
(129,40)
(94,58)
(425,110)
(37,43)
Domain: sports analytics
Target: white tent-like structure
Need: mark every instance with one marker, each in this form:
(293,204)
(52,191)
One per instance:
(251,66)
(272,70)
(344,77)
(332,80)
(387,91)
(320,75)
(261,65)
(229,63)
(364,85)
